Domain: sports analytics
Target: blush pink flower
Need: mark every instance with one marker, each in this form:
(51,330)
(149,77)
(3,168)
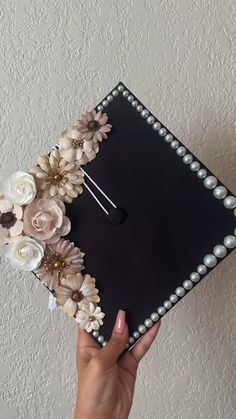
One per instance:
(60,259)
(45,220)
(74,146)
(93,125)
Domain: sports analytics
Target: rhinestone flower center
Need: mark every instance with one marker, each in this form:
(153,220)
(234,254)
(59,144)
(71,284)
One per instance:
(93,125)
(55,262)
(8,219)
(76,296)
(78,143)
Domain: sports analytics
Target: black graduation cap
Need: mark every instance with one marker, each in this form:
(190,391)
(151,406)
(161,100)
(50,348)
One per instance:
(152,220)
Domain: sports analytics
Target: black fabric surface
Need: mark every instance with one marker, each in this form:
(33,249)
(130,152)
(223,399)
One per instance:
(172,221)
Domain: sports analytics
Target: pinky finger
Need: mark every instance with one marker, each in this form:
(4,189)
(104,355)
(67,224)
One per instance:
(142,346)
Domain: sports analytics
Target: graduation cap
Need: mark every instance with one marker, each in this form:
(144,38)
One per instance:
(150,217)
(153,220)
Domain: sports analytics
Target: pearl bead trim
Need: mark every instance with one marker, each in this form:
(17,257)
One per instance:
(210,182)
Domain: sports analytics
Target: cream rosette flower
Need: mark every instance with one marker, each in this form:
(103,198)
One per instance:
(25,253)
(45,220)
(20,188)
(74,146)
(89,316)
(73,289)
(11,224)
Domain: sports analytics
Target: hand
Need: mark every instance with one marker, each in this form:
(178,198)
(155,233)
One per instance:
(107,375)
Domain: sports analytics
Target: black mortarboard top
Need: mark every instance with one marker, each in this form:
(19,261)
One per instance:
(174,221)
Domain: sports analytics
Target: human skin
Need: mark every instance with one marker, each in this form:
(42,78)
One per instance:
(106,376)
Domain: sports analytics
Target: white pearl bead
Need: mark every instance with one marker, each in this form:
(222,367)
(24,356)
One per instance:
(161,310)
(104,343)
(180,291)
(210,261)
(154,317)
(210,182)
(202,269)
(194,276)
(150,120)
(220,251)
(162,132)
(188,284)
(105,103)
(230,202)
(115,93)
(100,108)
(110,98)
(95,333)
(148,323)
(181,151)
(188,158)
(174,144)
(134,103)
(100,339)
(195,166)
(136,335)
(142,329)
(202,173)
(139,108)
(131,340)
(125,93)
(144,113)
(156,126)
(220,192)
(173,298)
(130,98)
(167,304)
(120,88)
(230,241)
(168,138)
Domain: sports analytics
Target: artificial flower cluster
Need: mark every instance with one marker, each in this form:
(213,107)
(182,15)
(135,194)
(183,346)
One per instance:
(33,219)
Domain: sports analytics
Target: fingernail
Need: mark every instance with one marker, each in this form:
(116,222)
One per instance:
(120,322)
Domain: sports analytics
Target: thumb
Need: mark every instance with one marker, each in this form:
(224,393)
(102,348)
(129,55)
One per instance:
(117,343)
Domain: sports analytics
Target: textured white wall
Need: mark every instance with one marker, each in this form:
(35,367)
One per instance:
(59,58)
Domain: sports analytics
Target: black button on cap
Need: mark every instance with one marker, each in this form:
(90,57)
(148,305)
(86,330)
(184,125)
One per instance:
(116,215)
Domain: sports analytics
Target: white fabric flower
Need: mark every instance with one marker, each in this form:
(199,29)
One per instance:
(25,253)
(89,316)
(20,188)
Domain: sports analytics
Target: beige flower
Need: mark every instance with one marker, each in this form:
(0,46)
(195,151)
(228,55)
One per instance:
(73,289)
(89,316)
(45,220)
(94,125)
(56,178)
(74,146)
(61,258)
(11,225)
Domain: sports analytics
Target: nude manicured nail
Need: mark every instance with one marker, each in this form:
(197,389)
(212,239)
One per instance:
(120,322)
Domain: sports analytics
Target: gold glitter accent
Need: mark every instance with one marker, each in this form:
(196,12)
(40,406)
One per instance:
(78,143)
(55,262)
